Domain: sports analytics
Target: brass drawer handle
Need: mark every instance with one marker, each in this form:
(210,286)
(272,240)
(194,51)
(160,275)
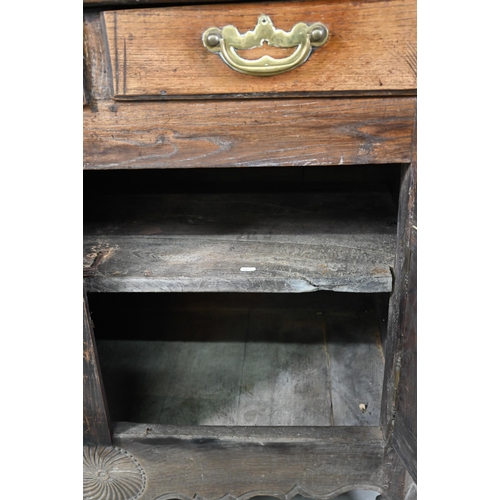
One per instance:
(228,39)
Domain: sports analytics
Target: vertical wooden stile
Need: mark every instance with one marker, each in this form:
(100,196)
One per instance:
(96,423)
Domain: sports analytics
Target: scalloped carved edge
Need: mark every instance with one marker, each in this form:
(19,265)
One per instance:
(296,490)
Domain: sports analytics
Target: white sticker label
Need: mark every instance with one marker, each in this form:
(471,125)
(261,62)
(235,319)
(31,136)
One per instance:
(248,269)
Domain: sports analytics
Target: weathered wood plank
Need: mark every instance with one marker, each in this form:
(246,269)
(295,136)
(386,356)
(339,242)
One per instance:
(405,425)
(162,264)
(356,368)
(252,133)
(371,47)
(401,333)
(211,462)
(271,242)
(96,424)
(399,297)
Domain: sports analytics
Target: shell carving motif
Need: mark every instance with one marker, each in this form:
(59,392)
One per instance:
(111,473)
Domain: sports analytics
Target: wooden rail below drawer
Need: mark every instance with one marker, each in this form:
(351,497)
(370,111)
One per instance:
(254,133)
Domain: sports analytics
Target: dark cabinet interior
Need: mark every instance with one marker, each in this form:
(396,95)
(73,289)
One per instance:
(300,343)
(241,359)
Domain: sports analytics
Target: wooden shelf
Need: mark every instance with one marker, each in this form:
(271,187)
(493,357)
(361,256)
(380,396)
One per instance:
(296,242)
(259,360)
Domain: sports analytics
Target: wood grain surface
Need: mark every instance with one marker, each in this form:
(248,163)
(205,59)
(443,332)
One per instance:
(257,133)
(212,462)
(290,242)
(405,424)
(157,53)
(400,312)
(398,411)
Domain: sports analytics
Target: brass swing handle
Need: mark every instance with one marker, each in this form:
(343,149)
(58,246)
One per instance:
(228,39)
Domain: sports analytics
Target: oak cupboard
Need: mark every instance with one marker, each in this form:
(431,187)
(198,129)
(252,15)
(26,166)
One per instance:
(249,249)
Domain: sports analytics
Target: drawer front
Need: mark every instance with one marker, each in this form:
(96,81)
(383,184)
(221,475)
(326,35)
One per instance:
(159,53)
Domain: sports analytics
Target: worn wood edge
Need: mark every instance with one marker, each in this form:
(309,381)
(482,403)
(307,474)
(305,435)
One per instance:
(356,435)
(270,95)
(363,284)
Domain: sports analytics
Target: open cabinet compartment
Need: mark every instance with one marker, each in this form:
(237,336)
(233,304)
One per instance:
(234,387)
(246,359)
(290,235)
(269,354)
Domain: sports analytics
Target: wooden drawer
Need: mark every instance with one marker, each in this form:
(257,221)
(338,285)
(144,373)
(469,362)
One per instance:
(352,102)
(158,53)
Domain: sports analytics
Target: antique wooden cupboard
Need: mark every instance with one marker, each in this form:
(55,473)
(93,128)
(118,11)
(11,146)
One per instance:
(249,248)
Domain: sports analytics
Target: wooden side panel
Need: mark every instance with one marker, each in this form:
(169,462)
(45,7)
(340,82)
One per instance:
(96,425)
(397,302)
(405,425)
(158,53)
(210,463)
(260,133)
(399,410)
